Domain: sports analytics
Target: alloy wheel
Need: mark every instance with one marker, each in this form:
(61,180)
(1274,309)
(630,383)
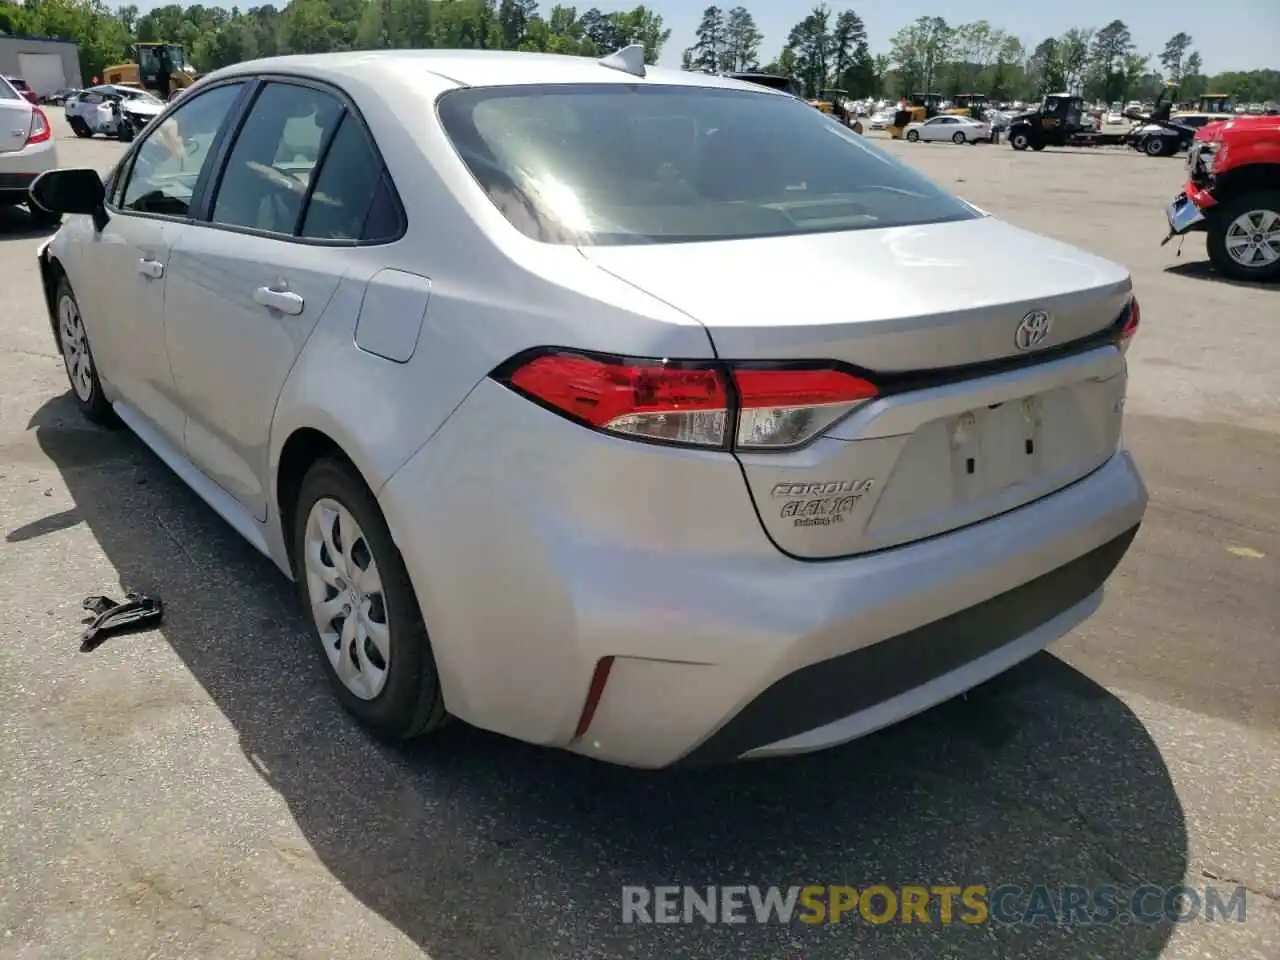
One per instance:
(1253,238)
(346,598)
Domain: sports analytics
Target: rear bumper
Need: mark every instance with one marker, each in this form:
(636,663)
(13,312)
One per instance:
(546,548)
(19,169)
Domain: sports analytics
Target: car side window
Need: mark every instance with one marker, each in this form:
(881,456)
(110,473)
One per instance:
(167,164)
(352,199)
(273,160)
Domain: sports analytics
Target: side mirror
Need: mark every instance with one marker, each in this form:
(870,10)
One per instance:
(72,190)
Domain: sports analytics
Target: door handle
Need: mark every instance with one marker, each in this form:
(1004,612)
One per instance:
(286,301)
(151,268)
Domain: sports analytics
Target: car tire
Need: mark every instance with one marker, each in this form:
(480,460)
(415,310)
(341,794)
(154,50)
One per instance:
(913,136)
(1020,141)
(77,357)
(1154,147)
(958,138)
(395,692)
(1225,224)
(80,128)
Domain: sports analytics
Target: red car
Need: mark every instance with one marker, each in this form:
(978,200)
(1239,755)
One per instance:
(25,89)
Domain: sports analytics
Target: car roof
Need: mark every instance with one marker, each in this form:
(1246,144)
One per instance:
(473,68)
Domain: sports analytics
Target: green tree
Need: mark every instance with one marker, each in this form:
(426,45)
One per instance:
(742,44)
(709,52)
(1107,60)
(1174,56)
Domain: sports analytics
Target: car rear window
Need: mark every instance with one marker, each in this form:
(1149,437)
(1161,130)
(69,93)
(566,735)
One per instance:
(19,83)
(615,164)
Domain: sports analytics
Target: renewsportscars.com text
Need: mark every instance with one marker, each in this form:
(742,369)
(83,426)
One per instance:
(940,904)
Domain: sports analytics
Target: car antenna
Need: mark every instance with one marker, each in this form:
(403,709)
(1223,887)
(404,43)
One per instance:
(629,60)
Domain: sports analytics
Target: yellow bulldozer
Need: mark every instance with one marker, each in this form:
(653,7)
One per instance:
(158,67)
(919,108)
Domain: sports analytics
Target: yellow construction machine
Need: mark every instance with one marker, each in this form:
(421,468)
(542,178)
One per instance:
(155,64)
(919,108)
(968,105)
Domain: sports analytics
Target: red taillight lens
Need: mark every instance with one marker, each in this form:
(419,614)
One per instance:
(1129,326)
(693,403)
(40,130)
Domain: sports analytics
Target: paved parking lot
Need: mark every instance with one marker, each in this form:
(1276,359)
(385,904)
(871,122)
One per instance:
(195,793)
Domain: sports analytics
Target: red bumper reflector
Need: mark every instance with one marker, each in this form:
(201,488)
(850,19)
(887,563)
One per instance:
(594,692)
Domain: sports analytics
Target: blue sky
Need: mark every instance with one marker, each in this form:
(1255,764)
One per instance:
(1230,34)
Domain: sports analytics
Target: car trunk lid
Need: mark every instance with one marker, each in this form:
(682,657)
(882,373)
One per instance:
(977,416)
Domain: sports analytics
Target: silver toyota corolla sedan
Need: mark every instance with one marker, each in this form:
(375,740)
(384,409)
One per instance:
(643,413)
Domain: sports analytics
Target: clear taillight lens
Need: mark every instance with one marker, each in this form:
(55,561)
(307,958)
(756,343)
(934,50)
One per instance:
(690,403)
(783,408)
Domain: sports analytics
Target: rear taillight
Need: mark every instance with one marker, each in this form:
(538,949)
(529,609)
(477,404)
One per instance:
(1129,322)
(40,130)
(690,403)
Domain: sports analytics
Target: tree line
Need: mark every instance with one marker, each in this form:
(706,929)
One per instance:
(214,37)
(825,49)
(830,50)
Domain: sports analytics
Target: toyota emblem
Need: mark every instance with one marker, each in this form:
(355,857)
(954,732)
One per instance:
(1032,330)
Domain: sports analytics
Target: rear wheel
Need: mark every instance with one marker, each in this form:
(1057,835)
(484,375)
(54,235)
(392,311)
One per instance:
(913,136)
(958,138)
(353,584)
(79,127)
(1155,147)
(1020,140)
(1243,236)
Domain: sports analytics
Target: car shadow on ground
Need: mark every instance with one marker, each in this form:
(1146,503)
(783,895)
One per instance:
(16,224)
(1205,270)
(477,846)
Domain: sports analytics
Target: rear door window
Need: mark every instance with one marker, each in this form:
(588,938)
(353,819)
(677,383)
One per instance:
(353,199)
(269,170)
(620,164)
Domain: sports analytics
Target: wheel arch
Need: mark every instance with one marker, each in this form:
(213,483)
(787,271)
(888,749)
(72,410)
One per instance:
(1246,179)
(304,447)
(51,271)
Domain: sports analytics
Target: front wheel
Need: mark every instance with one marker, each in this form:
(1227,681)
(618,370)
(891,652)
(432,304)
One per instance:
(958,138)
(1154,147)
(1243,236)
(77,357)
(913,136)
(353,583)
(1020,141)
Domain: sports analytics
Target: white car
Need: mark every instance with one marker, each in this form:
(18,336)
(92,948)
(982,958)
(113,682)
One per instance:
(90,111)
(955,129)
(881,120)
(27,149)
